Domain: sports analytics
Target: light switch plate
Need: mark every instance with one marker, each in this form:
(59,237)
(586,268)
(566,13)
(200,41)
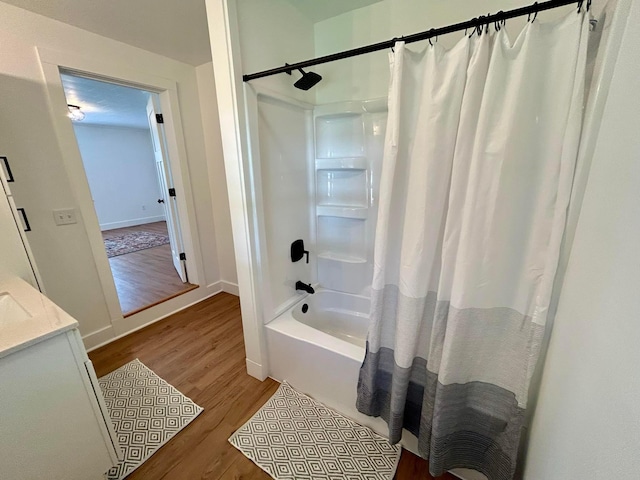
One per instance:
(66,216)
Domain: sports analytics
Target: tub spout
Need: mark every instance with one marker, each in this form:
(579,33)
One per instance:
(303,286)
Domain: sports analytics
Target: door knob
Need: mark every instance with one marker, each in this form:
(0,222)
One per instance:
(161,200)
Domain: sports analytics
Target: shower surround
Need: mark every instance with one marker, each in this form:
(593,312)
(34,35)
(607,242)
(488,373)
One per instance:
(322,187)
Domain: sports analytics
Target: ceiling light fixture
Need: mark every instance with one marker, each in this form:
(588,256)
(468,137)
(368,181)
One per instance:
(75,113)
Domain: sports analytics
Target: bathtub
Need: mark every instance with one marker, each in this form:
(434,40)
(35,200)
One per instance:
(318,345)
(319,352)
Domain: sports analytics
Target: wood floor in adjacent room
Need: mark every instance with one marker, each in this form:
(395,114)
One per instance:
(200,351)
(146,277)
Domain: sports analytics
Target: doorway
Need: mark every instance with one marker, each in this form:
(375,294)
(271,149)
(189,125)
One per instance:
(120,135)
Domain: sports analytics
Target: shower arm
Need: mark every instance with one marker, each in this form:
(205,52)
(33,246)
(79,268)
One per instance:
(477,23)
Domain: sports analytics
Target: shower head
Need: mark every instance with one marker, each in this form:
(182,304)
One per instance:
(308,80)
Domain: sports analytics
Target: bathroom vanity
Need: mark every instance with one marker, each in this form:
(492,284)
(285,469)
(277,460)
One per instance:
(53,420)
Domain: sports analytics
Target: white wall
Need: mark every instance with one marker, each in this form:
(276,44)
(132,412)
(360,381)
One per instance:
(273,33)
(217,179)
(587,421)
(367,76)
(121,170)
(27,136)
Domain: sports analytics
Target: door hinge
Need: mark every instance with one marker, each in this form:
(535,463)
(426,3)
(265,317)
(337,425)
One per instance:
(159,118)
(183,256)
(172,192)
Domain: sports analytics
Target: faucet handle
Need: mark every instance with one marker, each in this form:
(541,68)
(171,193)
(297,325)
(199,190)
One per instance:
(298,251)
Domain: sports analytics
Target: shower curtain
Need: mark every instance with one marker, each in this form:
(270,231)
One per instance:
(477,173)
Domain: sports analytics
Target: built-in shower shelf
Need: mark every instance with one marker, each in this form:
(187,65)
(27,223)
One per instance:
(358,213)
(345,163)
(343,109)
(336,257)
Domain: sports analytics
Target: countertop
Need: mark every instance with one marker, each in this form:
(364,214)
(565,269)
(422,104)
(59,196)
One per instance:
(45,320)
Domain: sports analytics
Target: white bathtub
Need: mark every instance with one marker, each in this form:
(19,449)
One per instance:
(320,352)
(340,315)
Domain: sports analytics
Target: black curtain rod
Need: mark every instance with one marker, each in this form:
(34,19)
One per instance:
(417,37)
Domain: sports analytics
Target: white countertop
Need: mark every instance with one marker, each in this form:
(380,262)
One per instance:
(45,318)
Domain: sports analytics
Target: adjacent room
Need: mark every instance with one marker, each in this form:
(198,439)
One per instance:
(302,239)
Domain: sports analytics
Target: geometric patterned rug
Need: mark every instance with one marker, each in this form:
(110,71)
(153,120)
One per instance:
(294,437)
(146,413)
(133,242)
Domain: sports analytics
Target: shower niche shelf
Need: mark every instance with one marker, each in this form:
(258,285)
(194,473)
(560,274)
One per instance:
(341,211)
(336,257)
(343,188)
(342,238)
(342,163)
(348,149)
(340,136)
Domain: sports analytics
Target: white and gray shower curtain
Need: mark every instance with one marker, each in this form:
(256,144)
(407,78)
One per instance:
(477,173)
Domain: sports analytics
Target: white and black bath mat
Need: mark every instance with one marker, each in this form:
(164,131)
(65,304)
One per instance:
(293,437)
(146,413)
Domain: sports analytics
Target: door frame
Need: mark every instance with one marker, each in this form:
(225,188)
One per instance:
(52,62)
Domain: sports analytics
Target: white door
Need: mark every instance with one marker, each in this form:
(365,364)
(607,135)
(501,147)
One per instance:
(165,181)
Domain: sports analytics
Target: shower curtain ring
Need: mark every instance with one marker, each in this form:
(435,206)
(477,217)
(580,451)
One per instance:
(580,5)
(480,26)
(588,5)
(473,29)
(498,23)
(431,35)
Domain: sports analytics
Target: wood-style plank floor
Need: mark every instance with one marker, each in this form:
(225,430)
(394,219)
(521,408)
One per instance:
(146,277)
(200,351)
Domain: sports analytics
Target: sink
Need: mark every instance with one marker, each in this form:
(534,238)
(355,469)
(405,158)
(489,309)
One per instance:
(10,310)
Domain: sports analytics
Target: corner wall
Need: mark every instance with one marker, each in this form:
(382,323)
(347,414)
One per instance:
(217,178)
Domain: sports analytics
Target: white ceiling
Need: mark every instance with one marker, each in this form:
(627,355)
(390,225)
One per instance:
(174,28)
(106,103)
(318,10)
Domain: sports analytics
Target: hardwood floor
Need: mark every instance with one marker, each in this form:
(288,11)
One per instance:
(146,277)
(200,351)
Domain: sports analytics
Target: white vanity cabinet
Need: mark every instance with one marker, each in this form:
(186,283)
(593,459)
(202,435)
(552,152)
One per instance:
(53,421)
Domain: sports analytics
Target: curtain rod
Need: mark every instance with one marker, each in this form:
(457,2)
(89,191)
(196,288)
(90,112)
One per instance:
(417,37)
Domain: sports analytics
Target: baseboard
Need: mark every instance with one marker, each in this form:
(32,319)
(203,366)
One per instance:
(230,287)
(256,370)
(122,327)
(99,337)
(131,223)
